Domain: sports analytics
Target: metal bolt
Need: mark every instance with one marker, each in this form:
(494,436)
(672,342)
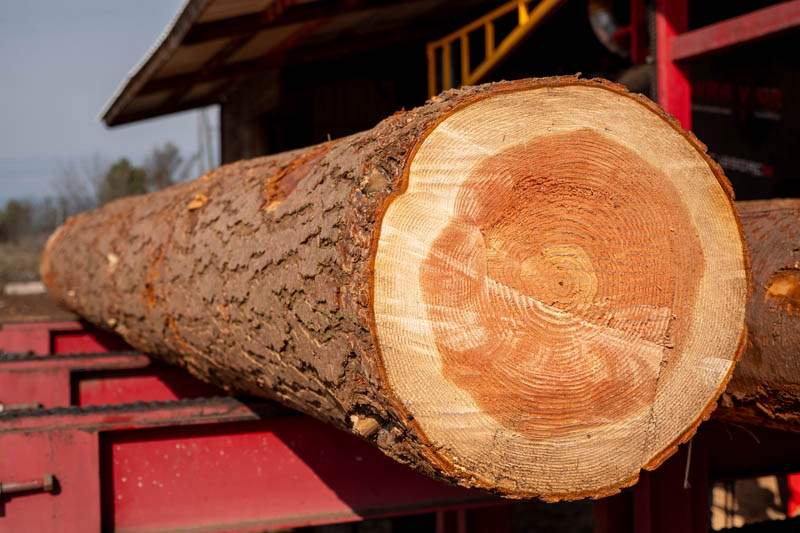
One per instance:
(46,484)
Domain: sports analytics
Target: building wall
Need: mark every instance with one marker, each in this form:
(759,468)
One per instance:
(307,104)
(242,134)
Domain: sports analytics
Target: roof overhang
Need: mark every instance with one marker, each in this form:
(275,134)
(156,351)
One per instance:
(212,45)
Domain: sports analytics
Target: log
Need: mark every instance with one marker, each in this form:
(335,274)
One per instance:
(765,387)
(536,288)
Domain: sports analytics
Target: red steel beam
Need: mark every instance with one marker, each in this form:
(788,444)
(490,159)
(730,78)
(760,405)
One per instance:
(10,364)
(672,498)
(155,383)
(736,31)
(86,340)
(674,91)
(46,381)
(87,378)
(69,336)
(35,337)
(94,379)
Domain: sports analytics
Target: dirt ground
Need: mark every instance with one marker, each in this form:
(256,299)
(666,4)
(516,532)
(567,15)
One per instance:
(20,262)
(32,308)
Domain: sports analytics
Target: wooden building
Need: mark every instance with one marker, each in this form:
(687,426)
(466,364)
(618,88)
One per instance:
(290,74)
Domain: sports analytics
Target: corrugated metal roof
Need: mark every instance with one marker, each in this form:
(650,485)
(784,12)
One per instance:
(212,44)
(147,67)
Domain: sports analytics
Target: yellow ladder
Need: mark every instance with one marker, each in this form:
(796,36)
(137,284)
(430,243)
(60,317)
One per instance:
(494,53)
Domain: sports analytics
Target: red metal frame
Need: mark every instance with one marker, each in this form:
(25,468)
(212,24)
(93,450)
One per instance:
(794,500)
(212,464)
(736,31)
(94,379)
(675,45)
(674,92)
(202,464)
(69,336)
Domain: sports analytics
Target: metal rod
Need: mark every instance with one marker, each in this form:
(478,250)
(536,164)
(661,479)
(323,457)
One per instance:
(464,60)
(447,65)
(431,71)
(46,484)
(489,39)
(19,406)
(522,13)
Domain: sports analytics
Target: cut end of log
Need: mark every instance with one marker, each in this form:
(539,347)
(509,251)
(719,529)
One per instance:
(559,291)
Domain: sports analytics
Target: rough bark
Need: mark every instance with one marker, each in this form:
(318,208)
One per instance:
(765,387)
(258,278)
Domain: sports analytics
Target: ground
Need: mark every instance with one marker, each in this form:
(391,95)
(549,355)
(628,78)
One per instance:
(31,308)
(20,262)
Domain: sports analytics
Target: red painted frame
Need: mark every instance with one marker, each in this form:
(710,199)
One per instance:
(674,92)
(675,44)
(211,465)
(215,464)
(205,464)
(94,379)
(65,337)
(736,31)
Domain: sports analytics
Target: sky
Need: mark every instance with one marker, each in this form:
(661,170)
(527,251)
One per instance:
(60,62)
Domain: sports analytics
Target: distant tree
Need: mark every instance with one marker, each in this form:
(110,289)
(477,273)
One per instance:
(121,179)
(162,166)
(74,187)
(15,220)
(96,181)
(4,229)
(46,215)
